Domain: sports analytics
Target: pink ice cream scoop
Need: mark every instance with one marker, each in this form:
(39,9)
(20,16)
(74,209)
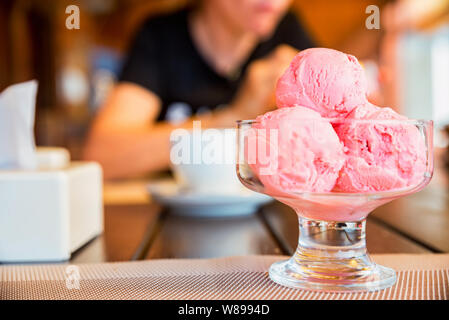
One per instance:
(294,150)
(380,155)
(325,80)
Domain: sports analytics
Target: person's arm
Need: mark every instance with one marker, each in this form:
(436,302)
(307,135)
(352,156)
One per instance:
(127,141)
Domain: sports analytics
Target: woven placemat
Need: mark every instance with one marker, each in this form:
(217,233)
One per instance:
(419,277)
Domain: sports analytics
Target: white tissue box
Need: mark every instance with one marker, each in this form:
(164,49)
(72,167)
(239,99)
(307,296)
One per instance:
(47,214)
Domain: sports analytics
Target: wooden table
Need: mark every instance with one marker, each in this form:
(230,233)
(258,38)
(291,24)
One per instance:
(138,228)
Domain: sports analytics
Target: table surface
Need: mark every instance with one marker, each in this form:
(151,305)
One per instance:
(137,228)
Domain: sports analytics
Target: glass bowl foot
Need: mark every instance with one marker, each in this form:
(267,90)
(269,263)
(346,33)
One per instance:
(292,274)
(332,256)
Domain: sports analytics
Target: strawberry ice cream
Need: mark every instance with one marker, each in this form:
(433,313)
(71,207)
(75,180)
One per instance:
(325,80)
(294,150)
(330,138)
(381,152)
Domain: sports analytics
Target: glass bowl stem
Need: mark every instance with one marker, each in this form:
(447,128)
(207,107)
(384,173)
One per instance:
(332,256)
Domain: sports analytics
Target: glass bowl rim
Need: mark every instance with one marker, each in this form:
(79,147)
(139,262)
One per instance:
(425,123)
(418,122)
(373,195)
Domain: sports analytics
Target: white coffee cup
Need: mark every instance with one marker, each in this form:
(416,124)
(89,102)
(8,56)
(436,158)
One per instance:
(204,161)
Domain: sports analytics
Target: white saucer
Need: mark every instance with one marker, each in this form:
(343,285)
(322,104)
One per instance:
(244,202)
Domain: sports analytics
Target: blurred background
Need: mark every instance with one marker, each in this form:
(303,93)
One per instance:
(407,59)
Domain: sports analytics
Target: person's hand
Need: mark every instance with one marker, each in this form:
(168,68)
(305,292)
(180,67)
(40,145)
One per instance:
(257,93)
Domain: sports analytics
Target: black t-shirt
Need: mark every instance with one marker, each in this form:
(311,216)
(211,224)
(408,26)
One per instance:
(164,59)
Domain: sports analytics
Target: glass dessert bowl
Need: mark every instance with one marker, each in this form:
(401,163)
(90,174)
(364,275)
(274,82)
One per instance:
(331,253)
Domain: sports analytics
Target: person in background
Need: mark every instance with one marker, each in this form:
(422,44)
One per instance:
(217,62)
